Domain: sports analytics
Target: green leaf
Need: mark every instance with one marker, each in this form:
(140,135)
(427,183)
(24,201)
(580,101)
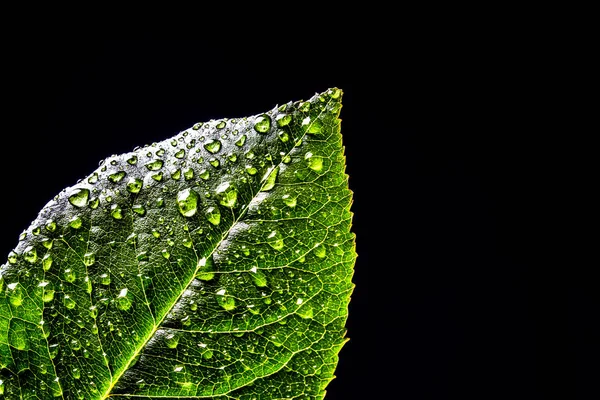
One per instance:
(215,264)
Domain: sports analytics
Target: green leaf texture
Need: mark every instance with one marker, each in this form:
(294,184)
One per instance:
(215,264)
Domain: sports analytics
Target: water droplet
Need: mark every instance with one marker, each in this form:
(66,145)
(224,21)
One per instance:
(289,200)
(258,277)
(221,125)
(132,160)
(176,174)
(262,123)
(188,174)
(204,174)
(187,242)
(155,165)
(30,254)
(80,197)
(283,119)
(116,211)
(227,194)
(224,300)
(75,222)
(283,136)
(123,301)
(116,177)
(205,269)
(94,203)
(105,279)
(15,293)
(172,340)
(334,93)
(50,225)
(69,302)
(213,146)
(70,275)
(187,200)
(270,180)
(89,259)
(17,335)
(232,157)
(12,257)
(134,185)
(286,159)
(240,142)
(143,256)
(158,176)
(155,233)
(250,170)
(165,253)
(320,251)
(304,106)
(160,202)
(47,261)
(76,373)
(314,162)
(93,178)
(160,152)
(197,126)
(275,240)
(48,295)
(75,344)
(180,154)
(316,127)
(36,231)
(214,162)
(139,209)
(213,215)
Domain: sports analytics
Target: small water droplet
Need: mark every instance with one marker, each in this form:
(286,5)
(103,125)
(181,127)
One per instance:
(172,340)
(275,240)
(320,251)
(214,162)
(187,200)
(197,126)
(180,154)
(12,257)
(221,125)
(139,209)
(213,215)
(262,123)
(165,253)
(283,119)
(132,160)
(258,277)
(36,231)
(134,185)
(224,300)
(94,203)
(48,295)
(76,373)
(204,174)
(155,233)
(155,165)
(75,222)
(286,159)
(304,106)
(205,269)
(116,177)
(314,162)
(69,302)
(143,256)
(79,198)
(75,344)
(50,225)
(188,174)
(289,200)
(158,176)
(89,259)
(93,312)
(116,211)
(213,146)
(240,142)
(15,293)
(334,93)
(105,279)
(176,174)
(17,335)
(93,178)
(160,152)
(70,275)
(187,242)
(250,170)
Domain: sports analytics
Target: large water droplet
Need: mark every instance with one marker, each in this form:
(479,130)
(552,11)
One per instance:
(205,269)
(227,194)
(155,165)
(187,200)
(69,302)
(123,301)
(270,180)
(75,222)
(258,277)
(116,211)
(80,197)
(116,177)
(225,300)
(47,261)
(213,146)
(289,200)
(262,123)
(30,254)
(15,293)
(275,240)
(213,215)
(134,185)
(89,259)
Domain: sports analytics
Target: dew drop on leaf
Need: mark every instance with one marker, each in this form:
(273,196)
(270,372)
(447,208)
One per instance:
(187,200)
(79,198)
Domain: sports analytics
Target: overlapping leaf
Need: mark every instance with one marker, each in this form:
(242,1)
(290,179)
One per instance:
(215,264)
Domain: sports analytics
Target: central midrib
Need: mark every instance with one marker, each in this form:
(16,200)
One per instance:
(142,345)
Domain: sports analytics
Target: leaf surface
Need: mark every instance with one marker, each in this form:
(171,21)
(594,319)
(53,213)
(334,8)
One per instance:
(215,264)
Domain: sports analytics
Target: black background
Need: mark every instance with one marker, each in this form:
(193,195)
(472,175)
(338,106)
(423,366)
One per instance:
(449,302)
